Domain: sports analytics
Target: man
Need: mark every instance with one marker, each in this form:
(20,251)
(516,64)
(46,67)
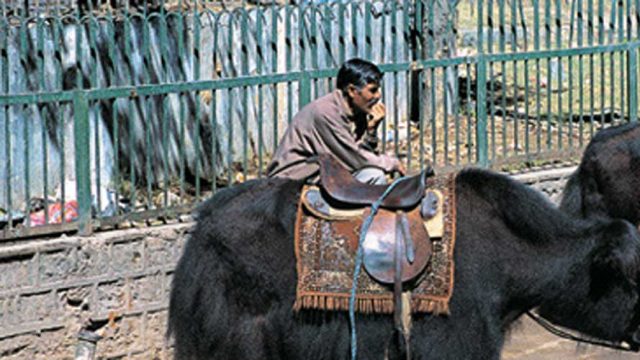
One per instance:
(342,123)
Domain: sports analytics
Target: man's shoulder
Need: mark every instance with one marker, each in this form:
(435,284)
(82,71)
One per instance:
(324,108)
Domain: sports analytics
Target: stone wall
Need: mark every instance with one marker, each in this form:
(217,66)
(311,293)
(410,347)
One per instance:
(551,182)
(115,283)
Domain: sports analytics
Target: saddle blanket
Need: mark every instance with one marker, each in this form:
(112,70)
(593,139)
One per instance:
(325,256)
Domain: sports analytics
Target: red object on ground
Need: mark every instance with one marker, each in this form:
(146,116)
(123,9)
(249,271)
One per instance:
(55,214)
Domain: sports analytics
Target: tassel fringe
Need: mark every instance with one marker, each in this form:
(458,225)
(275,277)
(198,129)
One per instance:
(368,306)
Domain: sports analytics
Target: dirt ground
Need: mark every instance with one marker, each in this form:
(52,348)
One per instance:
(528,341)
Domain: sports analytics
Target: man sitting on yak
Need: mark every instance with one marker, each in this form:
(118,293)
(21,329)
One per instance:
(235,294)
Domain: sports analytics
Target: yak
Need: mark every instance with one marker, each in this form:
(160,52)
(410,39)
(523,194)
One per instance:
(234,286)
(607,181)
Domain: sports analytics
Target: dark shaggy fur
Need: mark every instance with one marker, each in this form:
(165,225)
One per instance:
(234,286)
(607,182)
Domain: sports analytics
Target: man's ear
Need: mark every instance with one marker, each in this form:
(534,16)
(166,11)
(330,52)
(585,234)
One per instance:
(351,91)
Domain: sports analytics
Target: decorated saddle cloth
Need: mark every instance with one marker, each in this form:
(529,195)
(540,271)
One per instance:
(326,246)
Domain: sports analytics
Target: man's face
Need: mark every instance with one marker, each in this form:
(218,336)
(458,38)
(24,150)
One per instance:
(363,99)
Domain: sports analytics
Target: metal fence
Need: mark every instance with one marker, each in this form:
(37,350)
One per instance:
(112,114)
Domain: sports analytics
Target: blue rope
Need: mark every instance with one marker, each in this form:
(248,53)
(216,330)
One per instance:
(359,255)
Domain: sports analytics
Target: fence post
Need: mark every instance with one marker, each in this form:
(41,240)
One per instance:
(415,94)
(81,134)
(481,111)
(632,68)
(305,89)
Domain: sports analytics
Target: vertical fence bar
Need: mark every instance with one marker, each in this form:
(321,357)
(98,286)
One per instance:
(367,31)
(230,59)
(503,71)
(146,108)
(44,114)
(288,55)
(129,48)
(536,47)
(621,57)
(514,44)
(570,60)
(114,116)
(394,59)
(418,54)
(328,18)
(481,126)
(81,134)
(547,44)
(60,132)
(354,29)
(491,96)
(469,111)
(600,42)
(244,25)
(313,44)
(383,54)
(408,76)
(590,38)
(198,98)
(559,117)
(183,101)
(580,75)
(95,107)
(275,15)
(632,64)
(432,83)
(26,135)
(305,89)
(342,33)
(164,112)
(525,38)
(445,117)
(213,111)
(456,115)
(303,44)
(260,51)
(4,85)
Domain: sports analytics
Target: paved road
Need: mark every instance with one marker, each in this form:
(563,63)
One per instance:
(528,341)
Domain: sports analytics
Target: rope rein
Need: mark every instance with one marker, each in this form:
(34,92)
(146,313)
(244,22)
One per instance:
(358,265)
(566,335)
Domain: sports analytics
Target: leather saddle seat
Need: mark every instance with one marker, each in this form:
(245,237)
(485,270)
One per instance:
(396,247)
(340,185)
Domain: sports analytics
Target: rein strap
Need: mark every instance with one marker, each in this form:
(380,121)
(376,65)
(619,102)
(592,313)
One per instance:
(623,346)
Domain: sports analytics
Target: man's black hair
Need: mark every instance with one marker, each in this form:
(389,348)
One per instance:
(359,73)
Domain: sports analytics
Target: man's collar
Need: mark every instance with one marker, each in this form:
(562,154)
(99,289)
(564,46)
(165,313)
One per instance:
(344,104)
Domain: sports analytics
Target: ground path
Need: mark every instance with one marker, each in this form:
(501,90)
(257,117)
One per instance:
(528,341)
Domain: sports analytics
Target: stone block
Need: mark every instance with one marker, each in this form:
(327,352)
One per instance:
(58,265)
(127,257)
(17,272)
(147,290)
(159,251)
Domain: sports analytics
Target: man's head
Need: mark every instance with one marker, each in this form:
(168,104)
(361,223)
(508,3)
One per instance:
(359,80)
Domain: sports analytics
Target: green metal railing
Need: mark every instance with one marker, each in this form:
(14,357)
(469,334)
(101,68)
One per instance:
(139,114)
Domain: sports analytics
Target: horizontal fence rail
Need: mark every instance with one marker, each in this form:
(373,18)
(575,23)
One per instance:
(123,112)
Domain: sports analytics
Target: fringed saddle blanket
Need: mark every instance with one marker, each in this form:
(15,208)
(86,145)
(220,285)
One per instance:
(325,253)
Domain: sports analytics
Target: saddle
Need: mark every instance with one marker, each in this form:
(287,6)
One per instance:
(397,242)
(342,187)
(396,246)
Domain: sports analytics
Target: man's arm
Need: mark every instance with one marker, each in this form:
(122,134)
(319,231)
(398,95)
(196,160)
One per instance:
(343,146)
(370,139)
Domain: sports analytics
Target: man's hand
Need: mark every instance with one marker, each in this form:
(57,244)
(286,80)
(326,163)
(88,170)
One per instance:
(398,166)
(400,169)
(375,116)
